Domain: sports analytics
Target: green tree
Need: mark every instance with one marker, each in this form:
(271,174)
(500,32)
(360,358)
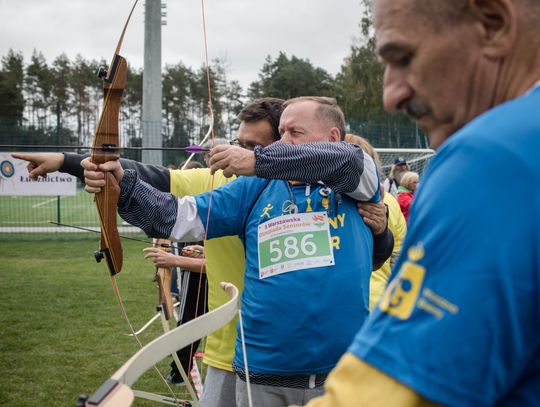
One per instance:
(287,78)
(233,102)
(38,89)
(359,84)
(232,98)
(60,71)
(200,100)
(86,90)
(359,87)
(176,83)
(131,112)
(12,100)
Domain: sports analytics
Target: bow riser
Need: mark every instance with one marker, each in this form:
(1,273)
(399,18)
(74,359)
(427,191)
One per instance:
(106,141)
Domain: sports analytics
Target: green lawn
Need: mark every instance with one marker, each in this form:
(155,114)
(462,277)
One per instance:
(62,332)
(38,210)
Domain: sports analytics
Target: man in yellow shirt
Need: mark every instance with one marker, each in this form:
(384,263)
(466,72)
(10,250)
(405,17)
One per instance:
(396,223)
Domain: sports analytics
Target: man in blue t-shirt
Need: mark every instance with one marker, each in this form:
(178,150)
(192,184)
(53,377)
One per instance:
(459,324)
(308,253)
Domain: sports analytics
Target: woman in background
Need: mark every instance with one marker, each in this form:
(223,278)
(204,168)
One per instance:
(405,195)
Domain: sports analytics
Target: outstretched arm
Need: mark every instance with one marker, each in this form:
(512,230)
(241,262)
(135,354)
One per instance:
(41,164)
(164,259)
(343,167)
(142,205)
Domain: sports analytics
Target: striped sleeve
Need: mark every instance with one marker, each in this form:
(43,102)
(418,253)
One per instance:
(343,167)
(158,214)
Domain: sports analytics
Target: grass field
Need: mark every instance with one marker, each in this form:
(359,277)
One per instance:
(38,210)
(62,332)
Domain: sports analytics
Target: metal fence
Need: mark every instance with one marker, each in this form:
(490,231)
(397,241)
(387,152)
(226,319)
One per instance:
(51,217)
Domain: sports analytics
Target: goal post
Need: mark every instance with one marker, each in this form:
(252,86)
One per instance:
(417,158)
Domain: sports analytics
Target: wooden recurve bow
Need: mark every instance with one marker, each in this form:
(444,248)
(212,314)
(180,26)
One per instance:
(105,147)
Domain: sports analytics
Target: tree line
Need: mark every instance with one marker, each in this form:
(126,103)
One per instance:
(59,103)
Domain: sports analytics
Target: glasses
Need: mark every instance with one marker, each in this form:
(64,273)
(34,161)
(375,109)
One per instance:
(238,143)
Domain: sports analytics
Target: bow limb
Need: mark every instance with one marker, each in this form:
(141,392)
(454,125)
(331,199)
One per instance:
(117,390)
(163,277)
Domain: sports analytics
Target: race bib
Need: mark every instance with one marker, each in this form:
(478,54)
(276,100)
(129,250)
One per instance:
(294,242)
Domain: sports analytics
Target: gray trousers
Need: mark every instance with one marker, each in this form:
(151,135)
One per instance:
(219,388)
(274,396)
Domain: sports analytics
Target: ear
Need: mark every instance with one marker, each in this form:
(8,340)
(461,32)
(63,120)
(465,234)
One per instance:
(335,135)
(498,23)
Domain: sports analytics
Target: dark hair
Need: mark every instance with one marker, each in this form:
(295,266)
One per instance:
(191,165)
(328,110)
(268,109)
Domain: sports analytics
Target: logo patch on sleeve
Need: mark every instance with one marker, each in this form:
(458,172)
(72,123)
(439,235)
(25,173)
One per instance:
(400,296)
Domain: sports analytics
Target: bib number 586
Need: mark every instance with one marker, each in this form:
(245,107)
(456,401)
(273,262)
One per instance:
(290,248)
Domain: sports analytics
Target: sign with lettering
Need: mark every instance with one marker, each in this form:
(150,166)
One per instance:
(14,180)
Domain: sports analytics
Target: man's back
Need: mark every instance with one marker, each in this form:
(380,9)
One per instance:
(488,306)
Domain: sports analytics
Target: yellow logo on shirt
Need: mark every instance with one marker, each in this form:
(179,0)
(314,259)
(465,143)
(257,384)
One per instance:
(401,294)
(266,211)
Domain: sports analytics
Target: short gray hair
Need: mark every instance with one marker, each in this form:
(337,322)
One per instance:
(328,109)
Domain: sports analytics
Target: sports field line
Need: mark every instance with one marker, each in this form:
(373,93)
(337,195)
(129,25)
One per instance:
(45,202)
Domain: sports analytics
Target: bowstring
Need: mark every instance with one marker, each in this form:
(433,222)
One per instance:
(248,387)
(113,277)
(211,133)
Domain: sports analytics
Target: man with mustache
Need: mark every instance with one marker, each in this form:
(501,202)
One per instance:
(458,325)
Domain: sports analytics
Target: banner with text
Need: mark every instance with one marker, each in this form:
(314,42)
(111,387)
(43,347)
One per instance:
(14,180)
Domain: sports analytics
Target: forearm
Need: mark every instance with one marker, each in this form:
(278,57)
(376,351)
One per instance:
(155,175)
(191,264)
(383,245)
(343,167)
(72,165)
(158,214)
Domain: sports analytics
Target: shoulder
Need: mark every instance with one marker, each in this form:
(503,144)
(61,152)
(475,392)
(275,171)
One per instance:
(190,182)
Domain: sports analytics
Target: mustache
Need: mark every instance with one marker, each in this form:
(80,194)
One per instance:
(416,108)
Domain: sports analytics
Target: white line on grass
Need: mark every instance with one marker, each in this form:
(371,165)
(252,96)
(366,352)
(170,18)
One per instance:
(45,202)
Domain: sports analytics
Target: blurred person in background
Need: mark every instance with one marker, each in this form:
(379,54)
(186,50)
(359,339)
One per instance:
(392,183)
(406,191)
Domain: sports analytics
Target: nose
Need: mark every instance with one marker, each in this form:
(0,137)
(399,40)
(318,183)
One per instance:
(396,89)
(286,138)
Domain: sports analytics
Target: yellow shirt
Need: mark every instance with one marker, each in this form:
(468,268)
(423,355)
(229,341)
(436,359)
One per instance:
(225,261)
(398,227)
(354,383)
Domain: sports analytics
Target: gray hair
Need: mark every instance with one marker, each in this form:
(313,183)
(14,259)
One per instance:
(328,110)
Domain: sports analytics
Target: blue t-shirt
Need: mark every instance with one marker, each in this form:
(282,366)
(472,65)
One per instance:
(300,322)
(460,322)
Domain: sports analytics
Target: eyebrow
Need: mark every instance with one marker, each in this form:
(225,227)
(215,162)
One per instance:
(386,50)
